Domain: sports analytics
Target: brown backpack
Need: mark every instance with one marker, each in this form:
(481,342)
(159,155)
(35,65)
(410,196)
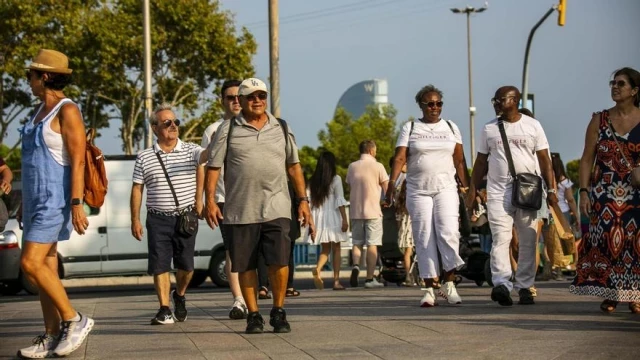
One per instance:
(95,175)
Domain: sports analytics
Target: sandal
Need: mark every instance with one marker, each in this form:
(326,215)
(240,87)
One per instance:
(263,293)
(634,307)
(292,292)
(609,306)
(338,287)
(317,280)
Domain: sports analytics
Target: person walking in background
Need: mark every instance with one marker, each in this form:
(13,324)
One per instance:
(231,106)
(168,170)
(529,150)
(330,216)
(53,154)
(480,221)
(432,150)
(367,179)
(609,261)
(566,202)
(405,235)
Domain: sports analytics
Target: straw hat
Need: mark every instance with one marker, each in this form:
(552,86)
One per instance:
(50,61)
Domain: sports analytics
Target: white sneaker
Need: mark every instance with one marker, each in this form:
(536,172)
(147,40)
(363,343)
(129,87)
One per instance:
(429,298)
(73,334)
(238,311)
(373,284)
(450,293)
(43,346)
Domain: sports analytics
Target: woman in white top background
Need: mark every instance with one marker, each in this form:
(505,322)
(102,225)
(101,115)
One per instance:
(329,214)
(432,149)
(566,202)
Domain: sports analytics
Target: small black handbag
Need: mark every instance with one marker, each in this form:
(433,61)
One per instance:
(526,192)
(187,221)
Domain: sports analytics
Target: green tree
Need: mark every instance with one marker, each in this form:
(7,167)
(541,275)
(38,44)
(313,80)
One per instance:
(572,171)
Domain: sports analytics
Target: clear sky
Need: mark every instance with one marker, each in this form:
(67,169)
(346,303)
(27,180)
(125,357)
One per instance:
(411,43)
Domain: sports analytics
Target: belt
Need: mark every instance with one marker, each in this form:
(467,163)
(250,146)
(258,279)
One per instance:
(175,212)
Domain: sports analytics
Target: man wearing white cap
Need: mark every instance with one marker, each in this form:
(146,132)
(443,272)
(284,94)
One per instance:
(258,151)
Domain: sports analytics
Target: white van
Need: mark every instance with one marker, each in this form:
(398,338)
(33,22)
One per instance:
(108,248)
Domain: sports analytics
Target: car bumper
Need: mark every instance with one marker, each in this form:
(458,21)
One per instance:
(9,264)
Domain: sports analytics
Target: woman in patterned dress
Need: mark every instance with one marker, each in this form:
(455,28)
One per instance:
(609,265)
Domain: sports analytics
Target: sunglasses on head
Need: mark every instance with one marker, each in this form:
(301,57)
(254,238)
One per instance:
(618,83)
(231,97)
(255,97)
(167,123)
(432,104)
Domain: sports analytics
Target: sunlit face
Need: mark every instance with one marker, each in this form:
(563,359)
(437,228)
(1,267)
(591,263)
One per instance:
(167,126)
(36,83)
(431,105)
(621,88)
(230,101)
(254,104)
(504,100)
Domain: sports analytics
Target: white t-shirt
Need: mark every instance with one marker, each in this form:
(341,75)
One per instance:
(206,139)
(562,189)
(430,167)
(526,137)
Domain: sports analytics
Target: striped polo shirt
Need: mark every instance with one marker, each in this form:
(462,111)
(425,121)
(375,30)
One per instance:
(181,164)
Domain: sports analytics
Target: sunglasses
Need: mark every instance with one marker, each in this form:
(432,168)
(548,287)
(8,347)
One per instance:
(500,100)
(167,123)
(618,83)
(256,97)
(231,97)
(432,104)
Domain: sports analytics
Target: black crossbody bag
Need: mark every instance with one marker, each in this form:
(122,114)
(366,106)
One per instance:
(526,192)
(187,221)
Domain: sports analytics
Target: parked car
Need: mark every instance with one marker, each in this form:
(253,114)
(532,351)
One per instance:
(107,247)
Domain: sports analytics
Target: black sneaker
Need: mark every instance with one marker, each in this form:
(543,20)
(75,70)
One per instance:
(255,323)
(163,317)
(354,276)
(179,306)
(501,294)
(526,297)
(279,320)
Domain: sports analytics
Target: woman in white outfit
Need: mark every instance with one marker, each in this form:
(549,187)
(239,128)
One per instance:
(329,215)
(432,149)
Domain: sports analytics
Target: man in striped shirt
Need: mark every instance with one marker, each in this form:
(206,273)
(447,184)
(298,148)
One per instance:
(164,208)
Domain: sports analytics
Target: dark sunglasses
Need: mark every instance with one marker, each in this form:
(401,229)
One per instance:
(255,97)
(167,123)
(432,104)
(618,83)
(231,97)
(501,100)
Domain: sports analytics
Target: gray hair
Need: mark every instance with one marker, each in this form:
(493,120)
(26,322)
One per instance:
(162,107)
(366,146)
(425,90)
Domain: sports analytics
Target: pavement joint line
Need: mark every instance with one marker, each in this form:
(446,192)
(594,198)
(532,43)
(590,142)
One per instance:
(385,334)
(369,352)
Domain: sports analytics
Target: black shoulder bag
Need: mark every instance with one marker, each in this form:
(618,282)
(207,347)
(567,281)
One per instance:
(187,221)
(526,192)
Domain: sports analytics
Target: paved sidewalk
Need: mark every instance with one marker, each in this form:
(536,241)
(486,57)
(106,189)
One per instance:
(353,324)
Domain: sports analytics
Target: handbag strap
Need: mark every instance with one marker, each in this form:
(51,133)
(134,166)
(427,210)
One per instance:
(615,138)
(173,191)
(507,149)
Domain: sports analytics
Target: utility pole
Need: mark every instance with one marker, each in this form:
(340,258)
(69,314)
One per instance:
(562,8)
(472,109)
(274,57)
(148,134)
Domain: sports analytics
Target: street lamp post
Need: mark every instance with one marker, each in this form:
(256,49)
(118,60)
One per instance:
(472,110)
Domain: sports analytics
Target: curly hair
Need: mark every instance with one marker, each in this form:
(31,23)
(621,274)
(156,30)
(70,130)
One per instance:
(425,90)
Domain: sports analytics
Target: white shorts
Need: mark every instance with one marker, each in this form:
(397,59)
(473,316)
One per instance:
(366,232)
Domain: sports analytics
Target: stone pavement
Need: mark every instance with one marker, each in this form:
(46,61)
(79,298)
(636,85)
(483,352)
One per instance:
(357,323)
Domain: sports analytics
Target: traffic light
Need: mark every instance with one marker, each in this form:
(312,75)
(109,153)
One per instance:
(562,12)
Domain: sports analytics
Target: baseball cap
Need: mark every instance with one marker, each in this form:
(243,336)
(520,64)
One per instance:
(251,85)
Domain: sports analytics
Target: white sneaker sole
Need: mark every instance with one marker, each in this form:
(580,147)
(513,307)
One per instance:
(444,296)
(83,337)
(22,356)
(170,321)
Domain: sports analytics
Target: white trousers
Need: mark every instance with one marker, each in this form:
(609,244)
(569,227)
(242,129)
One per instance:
(502,217)
(434,222)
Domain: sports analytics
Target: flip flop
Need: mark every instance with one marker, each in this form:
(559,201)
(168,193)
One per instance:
(338,287)
(608,306)
(292,292)
(634,307)
(317,281)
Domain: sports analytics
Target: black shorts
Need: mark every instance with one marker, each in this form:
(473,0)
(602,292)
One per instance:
(166,244)
(247,240)
(225,242)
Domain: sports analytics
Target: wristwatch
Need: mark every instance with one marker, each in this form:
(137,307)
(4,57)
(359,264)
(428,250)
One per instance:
(551,191)
(304,198)
(76,201)
(584,189)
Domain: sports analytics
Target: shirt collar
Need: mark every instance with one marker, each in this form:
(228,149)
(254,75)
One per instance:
(367,157)
(177,148)
(240,120)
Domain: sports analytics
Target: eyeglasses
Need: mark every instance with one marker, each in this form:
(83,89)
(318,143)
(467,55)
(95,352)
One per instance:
(167,123)
(231,97)
(255,97)
(501,100)
(432,104)
(618,83)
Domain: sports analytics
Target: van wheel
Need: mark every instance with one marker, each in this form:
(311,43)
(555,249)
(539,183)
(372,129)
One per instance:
(10,287)
(30,288)
(216,269)
(199,276)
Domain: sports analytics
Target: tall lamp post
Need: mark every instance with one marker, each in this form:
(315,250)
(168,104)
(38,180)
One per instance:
(472,110)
